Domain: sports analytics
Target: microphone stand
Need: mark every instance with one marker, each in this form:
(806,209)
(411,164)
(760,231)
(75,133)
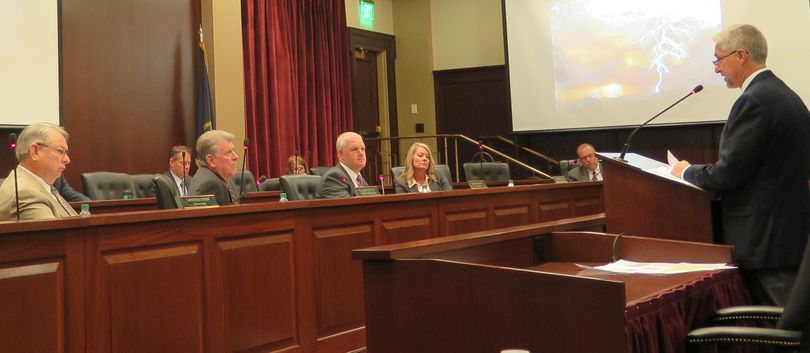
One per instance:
(183,163)
(242,180)
(481,159)
(626,147)
(12,138)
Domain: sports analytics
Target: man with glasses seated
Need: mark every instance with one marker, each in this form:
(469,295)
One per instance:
(762,170)
(42,150)
(589,169)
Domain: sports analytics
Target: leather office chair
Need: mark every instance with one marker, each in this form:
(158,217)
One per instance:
(250,182)
(491,171)
(319,171)
(272,184)
(397,171)
(163,193)
(300,187)
(107,185)
(144,187)
(792,332)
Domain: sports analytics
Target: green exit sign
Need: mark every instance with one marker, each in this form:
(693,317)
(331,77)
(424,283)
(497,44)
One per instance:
(367,11)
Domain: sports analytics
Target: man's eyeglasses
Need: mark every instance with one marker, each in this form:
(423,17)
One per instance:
(61,152)
(718,60)
(587,156)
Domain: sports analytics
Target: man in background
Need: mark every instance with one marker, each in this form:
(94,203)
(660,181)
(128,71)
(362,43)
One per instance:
(68,192)
(42,151)
(177,176)
(217,157)
(343,179)
(762,172)
(590,169)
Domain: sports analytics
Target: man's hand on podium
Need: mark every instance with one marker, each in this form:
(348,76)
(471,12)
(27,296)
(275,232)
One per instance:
(678,168)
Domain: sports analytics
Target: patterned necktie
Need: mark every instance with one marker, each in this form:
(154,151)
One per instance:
(359,181)
(594,177)
(234,199)
(63,203)
(183,191)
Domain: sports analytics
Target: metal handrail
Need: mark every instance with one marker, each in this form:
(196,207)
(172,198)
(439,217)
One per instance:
(524,149)
(456,137)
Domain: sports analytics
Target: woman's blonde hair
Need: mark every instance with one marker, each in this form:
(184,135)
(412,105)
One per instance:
(408,173)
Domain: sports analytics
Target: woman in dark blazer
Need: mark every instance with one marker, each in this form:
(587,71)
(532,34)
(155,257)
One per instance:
(420,172)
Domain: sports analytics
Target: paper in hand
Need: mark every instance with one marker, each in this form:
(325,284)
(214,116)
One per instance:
(671,160)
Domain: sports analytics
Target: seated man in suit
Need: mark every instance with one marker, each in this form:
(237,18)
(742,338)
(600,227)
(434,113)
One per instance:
(343,179)
(217,157)
(590,168)
(42,150)
(68,192)
(177,176)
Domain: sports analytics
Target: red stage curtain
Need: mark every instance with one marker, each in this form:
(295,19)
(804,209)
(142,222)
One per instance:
(297,81)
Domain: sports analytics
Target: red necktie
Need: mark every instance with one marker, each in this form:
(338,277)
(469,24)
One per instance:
(359,181)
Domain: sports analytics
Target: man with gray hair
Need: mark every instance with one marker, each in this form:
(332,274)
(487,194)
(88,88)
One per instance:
(762,171)
(42,151)
(217,157)
(343,179)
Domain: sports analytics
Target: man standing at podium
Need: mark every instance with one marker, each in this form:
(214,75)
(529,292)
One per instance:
(762,172)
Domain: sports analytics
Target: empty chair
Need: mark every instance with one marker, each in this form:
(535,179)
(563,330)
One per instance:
(250,182)
(144,187)
(272,184)
(107,185)
(300,187)
(163,193)
(319,171)
(491,171)
(792,332)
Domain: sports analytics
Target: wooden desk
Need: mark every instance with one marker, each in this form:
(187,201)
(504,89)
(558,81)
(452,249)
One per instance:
(520,288)
(270,277)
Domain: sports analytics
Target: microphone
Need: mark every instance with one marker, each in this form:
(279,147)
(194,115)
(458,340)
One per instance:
(262,179)
(626,147)
(613,248)
(12,142)
(183,163)
(244,160)
(481,158)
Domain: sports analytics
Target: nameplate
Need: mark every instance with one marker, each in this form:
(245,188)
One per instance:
(198,201)
(477,184)
(560,179)
(367,191)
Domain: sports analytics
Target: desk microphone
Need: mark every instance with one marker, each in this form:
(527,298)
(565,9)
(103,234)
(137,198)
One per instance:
(183,163)
(626,147)
(12,142)
(481,158)
(244,160)
(613,248)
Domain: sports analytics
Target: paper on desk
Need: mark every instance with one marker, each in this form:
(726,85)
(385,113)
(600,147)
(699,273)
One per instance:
(659,268)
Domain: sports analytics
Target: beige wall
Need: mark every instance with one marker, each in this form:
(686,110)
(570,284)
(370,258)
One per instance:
(383,16)
(222,25)
(466,33)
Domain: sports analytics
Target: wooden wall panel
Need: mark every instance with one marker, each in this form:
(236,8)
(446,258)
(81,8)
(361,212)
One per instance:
(155,299)
(128,71)
(34,316)
(339,279)
(259,298)
(508,216)
(554,209)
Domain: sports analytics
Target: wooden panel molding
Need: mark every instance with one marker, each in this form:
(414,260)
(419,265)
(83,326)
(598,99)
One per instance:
(33,317)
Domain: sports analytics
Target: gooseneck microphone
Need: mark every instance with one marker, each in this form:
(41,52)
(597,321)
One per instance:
(626,147)
(481,158)
(244,160)
(12,142)
(183,163)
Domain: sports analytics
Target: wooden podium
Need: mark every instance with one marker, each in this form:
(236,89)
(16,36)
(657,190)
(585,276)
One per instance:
(639,201)
(522,288)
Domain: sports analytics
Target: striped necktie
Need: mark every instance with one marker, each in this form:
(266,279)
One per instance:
(65,205)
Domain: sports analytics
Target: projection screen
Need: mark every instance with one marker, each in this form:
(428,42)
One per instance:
(586,64)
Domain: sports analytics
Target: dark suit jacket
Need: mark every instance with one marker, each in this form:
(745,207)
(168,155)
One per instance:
(580,173)
(335,183)
(442,184)
(762,175)
(170,179)
(67,192)
(206,182)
